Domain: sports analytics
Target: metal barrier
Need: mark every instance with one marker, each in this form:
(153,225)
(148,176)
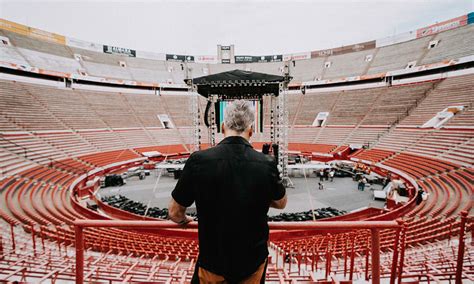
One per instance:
(373,226)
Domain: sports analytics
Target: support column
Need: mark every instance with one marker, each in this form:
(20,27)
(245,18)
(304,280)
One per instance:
(375,245)
(195,111)
(282,132)
(460,258)
(79,254)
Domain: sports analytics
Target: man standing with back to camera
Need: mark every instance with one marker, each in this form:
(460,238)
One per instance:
(233,187)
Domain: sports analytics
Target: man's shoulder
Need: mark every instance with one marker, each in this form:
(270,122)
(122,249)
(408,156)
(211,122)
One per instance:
(219,151)
(260,157)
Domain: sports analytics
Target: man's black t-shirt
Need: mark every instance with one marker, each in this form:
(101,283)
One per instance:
(233,186)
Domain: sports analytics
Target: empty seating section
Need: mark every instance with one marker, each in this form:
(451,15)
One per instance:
(46,205)
(303,134)
(178,107)
(452,44)
(150,75)
(418,166)
(456,91)
(135,137)
(7,125)
(146,108)
(375,107)
(397,56)
(308,70)
(461,153)
(165,149)
(97,57)
(400,138)
(11,55)
(30,147)
(274,68)
(68,142)
(347,65)
(103,159)
(11,163)
(49,136)
(107,70)
(395,102)
(365,135)
(373,155)
(311,148)
(50,61)
(312,104)
(166,136)
(67,105)
(105,267)
(352,113)
(32,43)
(111,108)
(333,135)
(294,105)
(445,144)
(19,107)
(103,139)
(463,119)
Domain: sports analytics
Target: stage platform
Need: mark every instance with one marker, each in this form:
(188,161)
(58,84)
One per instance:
(341,194)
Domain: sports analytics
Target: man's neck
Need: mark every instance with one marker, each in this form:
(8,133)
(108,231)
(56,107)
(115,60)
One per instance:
(233,133)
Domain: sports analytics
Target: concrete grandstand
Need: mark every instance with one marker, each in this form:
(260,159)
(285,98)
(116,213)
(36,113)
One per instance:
(70,113)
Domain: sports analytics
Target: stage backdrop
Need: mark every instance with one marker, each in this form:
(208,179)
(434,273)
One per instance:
(258,124)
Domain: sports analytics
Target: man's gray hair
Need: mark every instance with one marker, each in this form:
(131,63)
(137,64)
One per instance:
(239,115)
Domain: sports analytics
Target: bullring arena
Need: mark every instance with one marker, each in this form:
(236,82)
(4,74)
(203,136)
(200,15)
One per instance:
(399,109)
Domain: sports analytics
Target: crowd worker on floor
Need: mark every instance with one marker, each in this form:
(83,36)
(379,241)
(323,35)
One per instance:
(233,187)
(361,184)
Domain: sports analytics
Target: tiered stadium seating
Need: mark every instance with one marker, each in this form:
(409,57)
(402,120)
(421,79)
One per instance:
(452,44)
(451,92)
(50,135)
(397,56)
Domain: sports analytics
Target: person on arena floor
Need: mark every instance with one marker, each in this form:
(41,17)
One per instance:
(233,187)
(331,175)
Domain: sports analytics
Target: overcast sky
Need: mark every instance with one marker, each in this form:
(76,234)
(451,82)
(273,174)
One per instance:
(255,27)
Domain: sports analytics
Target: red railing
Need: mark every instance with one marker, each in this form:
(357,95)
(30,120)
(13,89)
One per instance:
(373,226)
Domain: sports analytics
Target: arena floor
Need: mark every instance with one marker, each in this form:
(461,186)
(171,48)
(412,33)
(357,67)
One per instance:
(341,194)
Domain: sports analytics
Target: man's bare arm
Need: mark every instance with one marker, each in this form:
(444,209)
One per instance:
(279,204)
(177,213)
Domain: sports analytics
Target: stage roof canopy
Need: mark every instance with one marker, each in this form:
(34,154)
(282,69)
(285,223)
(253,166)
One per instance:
(238,84)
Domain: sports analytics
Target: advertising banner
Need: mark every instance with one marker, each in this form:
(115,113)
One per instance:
(344,49)
(77,43)
(179,58)
(297,56)
(470,18)
(441,27)
(256,59)
(206,59)
(119,51)
(32,32)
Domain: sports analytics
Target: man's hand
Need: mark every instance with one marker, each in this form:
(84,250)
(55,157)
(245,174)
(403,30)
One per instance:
(177,214)
(184,223)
